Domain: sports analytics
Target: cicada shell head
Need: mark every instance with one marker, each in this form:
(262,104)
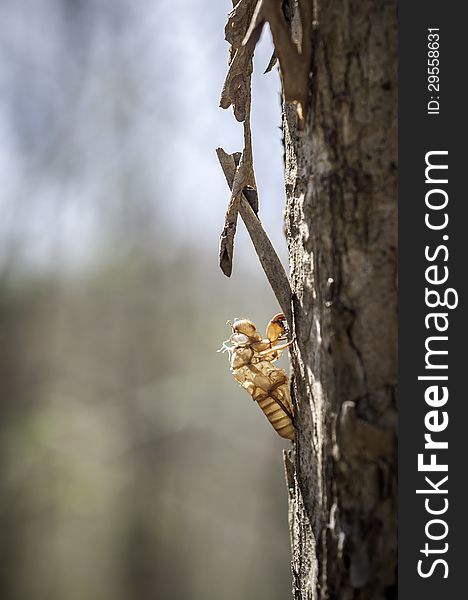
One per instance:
(244,326)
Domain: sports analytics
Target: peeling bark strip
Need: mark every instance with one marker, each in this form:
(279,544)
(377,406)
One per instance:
(243,178)
(266,253)
(242,31)
(238,167)
(236,92)
(341,228)
(294,55)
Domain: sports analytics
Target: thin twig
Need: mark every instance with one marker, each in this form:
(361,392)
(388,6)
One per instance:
(266,253)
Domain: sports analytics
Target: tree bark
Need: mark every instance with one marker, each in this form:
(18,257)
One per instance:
(341,226)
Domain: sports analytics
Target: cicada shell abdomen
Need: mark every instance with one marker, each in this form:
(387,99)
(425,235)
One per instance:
(268,385)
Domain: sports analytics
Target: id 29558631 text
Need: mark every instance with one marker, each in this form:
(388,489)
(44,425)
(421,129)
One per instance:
(433,71)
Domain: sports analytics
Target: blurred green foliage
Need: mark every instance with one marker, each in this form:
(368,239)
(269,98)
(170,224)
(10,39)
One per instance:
(132,465)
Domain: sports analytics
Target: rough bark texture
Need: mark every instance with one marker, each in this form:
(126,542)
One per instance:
(341,227)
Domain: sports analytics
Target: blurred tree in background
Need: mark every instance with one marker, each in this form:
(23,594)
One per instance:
(131,464)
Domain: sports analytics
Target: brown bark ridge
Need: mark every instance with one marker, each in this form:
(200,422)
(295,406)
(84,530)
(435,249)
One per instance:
(341,212)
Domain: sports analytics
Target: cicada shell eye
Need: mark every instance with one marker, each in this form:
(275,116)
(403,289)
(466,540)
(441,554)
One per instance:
(244,326)
(239,339)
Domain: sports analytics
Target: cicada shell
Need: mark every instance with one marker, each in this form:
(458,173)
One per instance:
(252,358)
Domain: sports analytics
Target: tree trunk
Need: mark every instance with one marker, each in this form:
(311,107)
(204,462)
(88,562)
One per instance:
(341,226)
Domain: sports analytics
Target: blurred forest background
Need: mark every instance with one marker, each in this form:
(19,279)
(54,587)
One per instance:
(131,464)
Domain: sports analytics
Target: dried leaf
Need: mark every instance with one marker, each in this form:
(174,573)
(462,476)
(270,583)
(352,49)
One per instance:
(238,22)
(236,88)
